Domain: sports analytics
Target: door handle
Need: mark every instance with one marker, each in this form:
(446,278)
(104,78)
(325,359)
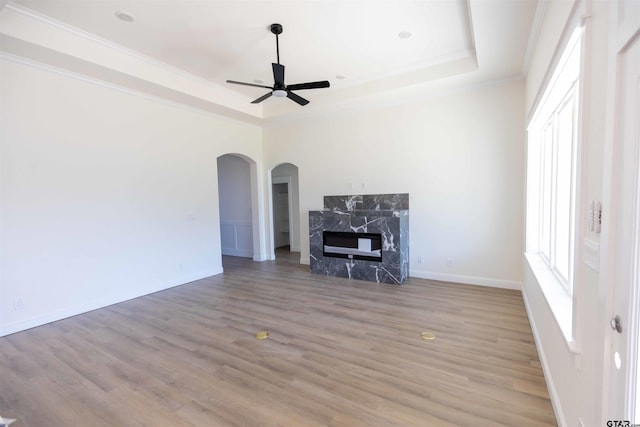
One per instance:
(616,324)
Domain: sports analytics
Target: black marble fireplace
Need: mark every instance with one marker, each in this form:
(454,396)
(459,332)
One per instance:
(362,237)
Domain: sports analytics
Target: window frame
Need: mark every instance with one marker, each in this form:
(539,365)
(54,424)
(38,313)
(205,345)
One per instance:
(559,289)
(547,246)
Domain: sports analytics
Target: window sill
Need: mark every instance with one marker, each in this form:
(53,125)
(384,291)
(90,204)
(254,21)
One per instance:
(560,303)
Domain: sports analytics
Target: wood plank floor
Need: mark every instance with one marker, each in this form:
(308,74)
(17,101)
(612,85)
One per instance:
(340,353)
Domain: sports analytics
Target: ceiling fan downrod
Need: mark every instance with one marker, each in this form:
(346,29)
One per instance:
(277,29)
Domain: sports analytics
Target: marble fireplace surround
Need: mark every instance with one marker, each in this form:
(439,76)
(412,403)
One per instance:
(384,214)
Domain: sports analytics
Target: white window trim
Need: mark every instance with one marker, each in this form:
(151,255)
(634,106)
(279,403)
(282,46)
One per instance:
(557,299)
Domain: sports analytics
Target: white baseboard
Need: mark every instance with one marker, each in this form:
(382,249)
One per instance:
(45,318)
(470,280)
(237,252)
(553,393)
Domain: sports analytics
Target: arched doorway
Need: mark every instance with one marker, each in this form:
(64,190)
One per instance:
(235,203)
(285,211)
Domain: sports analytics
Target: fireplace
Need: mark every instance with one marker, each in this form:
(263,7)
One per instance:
(363,246)
(364,237)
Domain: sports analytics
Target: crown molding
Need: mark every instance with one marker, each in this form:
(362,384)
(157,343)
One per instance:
(28,62)
(92,38)
(390,100)
(29,33)
(534,34)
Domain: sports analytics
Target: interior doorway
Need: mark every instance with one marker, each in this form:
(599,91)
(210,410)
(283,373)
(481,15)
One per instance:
(281,215)
(234,192)
(285,211)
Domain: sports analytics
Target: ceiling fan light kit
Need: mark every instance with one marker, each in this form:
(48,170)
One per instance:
(279,89)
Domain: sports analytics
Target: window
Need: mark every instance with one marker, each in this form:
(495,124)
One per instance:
(557,145)
(551,180)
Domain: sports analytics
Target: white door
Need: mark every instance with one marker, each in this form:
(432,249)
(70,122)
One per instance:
(624,214)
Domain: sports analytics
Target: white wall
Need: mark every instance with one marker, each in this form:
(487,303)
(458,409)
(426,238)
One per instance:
(104,194)
(234,186)
(460,157)
(289,170)
(574,378)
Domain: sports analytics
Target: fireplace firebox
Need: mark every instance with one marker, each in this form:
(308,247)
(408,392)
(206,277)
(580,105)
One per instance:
(363,246)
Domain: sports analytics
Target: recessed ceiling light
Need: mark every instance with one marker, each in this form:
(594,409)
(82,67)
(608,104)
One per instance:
(404,34)
(341,77)
(258,81)
(124,16)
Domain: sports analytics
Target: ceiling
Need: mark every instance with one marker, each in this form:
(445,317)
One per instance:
(182,50)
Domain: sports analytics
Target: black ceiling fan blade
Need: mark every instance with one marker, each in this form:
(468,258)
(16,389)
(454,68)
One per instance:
(278,74)
(296,98)
(310,85)
(248,84)
(262,98)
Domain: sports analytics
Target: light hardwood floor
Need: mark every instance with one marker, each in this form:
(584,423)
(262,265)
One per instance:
(340,353)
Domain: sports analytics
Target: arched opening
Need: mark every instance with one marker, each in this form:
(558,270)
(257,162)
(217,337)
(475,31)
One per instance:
(285,212)
(236,206)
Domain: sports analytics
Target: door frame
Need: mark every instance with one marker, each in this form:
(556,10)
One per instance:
(624,31)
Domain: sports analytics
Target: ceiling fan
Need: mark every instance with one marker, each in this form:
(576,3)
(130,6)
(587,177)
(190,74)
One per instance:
(279,89)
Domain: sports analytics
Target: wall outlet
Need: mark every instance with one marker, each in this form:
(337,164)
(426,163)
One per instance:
(449,262)
(591,254)
(419,260)
(18,304)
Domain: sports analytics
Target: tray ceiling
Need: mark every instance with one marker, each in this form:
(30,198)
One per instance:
(368,50)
